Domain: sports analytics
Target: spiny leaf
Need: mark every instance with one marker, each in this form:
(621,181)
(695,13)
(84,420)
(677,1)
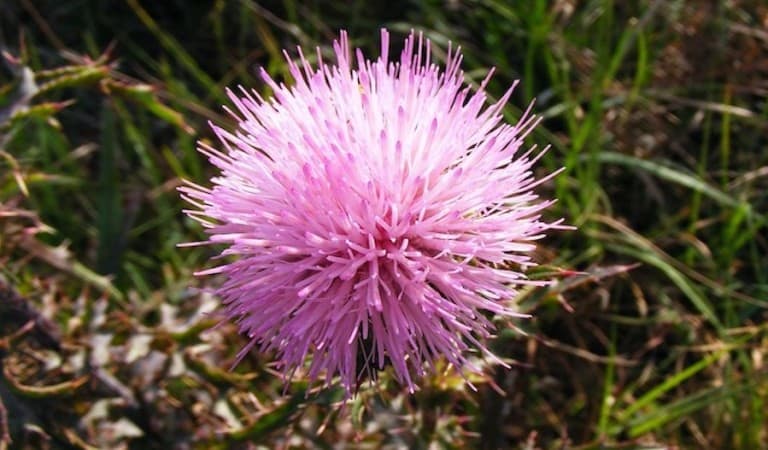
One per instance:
(145,95)
(84,76)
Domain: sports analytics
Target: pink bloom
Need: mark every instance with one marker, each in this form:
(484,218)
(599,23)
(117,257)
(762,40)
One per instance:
(375,210)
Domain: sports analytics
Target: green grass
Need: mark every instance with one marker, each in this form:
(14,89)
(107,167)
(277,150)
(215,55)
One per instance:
(656,109)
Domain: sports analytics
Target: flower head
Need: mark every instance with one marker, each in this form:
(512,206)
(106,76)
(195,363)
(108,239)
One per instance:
(375,209)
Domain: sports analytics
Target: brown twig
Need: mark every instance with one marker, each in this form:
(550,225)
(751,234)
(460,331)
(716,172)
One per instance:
(15,309)
(5,435)
(44,26)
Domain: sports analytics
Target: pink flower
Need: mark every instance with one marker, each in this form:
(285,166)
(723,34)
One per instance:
(375,210)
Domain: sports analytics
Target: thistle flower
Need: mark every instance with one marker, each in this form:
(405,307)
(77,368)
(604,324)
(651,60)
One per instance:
(375,209)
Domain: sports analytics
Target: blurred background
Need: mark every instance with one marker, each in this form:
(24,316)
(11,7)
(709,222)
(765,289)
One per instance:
(655,336)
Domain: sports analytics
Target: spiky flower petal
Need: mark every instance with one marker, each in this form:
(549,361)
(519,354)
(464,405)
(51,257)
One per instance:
(375,209)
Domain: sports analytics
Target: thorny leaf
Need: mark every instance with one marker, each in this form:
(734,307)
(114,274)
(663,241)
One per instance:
(145,95)
(25,88)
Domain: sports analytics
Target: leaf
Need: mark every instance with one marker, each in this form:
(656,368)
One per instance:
(674,175)
(65,389)
(684,407)
(61,258)
(592,275)
(215,374)
(26,88)
(144,95)
(683,283)
(270,421)
(670,383)
(81,75)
